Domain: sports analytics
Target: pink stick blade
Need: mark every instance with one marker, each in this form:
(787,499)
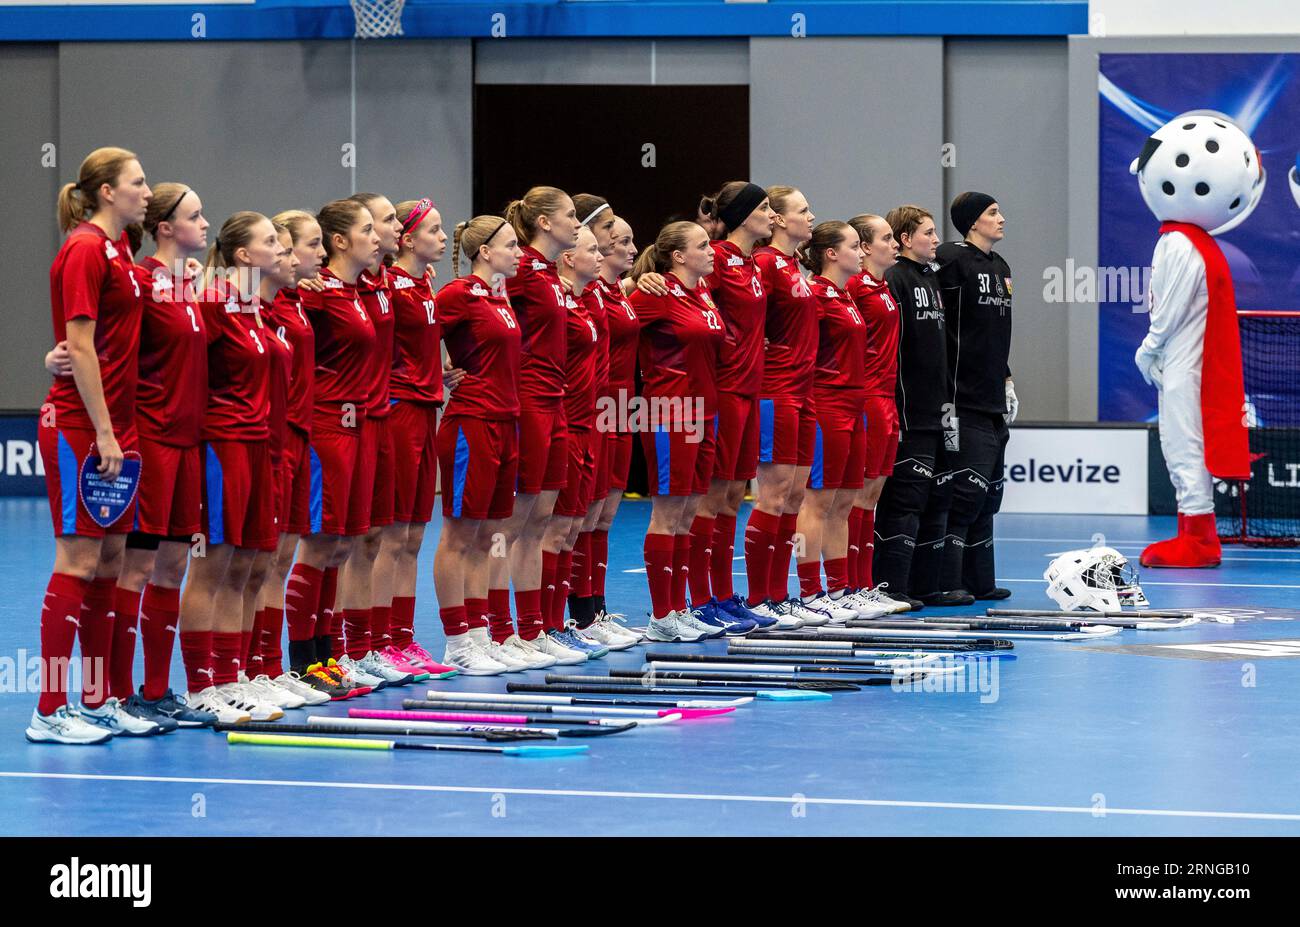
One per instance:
(378,714)
(688,713)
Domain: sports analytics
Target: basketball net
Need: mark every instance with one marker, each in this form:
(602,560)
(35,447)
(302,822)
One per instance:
(378,18)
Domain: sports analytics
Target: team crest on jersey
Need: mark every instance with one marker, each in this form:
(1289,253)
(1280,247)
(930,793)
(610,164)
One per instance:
(780,263)
(735,260)
(539,265)
(333,283)
(1008,281)
(232,305)
(403,283)
(677,290)
(830,291)
(708,300)
(109,251)
(478,290)
(569,303)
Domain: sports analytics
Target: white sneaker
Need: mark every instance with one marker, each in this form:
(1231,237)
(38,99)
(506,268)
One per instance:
(894,605)
(464,653)
(508,658)
(356,673)
(212,701)
(794,607)
(268,691)
(767,610)
(246,698)
(602,632)
(293,683)
(866,607)
(376,665)
(523,650)
(564,656)
(677,627)
(110,717)
(613,622)
(837,613)
(64,726)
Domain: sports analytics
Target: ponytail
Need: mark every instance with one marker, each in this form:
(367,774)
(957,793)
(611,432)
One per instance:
(825,236)
(659,256)
(524,214)
(77,201)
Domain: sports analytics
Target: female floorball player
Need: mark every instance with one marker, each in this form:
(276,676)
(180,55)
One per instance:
(546,221)
(787,415)
(833,255)
(681,334)
(417,394)
(344,338)
(238,504)
(96,306)
(880,314)
(478,441)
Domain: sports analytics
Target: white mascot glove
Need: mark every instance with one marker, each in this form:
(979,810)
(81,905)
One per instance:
(1150,366)
(1013,403)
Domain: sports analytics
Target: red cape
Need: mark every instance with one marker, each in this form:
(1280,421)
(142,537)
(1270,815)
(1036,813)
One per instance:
(1223,396)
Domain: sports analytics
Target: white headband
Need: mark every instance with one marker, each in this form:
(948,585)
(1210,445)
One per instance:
(595,212)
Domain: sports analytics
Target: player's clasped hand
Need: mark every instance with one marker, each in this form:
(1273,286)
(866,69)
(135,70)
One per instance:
(59,360)
(110,456)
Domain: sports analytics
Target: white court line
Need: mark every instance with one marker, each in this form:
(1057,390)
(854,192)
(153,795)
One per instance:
(673,796)
(1003,579)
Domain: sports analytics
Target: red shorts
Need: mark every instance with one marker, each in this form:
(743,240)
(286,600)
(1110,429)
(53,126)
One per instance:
(295,484)
(63,451)
(362,493)
(478,460)
(736,457)
(619,447)
(840,448)
(169,499)
(600,450)
(678,462)
(882,436)
(576,496)
(542,454)
(787,430)
(381,503)
(239,494)
(332,459)
(414,430)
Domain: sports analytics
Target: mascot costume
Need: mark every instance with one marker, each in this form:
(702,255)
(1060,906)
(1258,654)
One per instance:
(1201,176)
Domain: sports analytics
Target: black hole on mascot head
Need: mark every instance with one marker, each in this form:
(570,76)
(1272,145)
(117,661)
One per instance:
(1202,188)
(1246,157)
(1182,160)
(1211,145)
(1168,188)
(1219,124)
(1235,203)
(1189,125)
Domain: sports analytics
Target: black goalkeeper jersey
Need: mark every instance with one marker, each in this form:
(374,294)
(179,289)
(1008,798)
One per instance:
(976,290)
(923,378)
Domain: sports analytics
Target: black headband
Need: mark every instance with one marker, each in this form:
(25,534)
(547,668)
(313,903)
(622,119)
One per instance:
(967,208)
(174,205)
(734,214)
(503,224)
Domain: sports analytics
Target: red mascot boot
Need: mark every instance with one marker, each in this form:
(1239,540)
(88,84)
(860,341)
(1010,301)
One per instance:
(1197,545)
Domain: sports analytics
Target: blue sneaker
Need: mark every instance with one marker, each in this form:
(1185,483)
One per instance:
(573,642)
(137,706)
(709,616)
(737,613)
(174,706)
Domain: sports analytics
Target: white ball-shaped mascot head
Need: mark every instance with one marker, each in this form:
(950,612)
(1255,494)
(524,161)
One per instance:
(1200,168)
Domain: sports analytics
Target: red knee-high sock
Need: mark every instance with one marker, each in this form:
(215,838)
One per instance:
(855,536)
(866,548)
(225,656)
(658,552)
(528,604)
(196,654)
(778,586)
(250,649)
(60,614)
(96,636)
(356,632)
(681,570)
(401,621)
(810,577)
(302,601)
(159,614)
(549,563)
(760,548)
(500,624)
(476,613)
(454,620)
(599,560)
(272,632)
(327,623)
(126,621)
(560,598)
(580,579)
(720,560)
(701,550)
(381,626)
(837,574)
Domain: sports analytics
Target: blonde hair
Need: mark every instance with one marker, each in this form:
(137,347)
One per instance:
(862,225)
(293,220)
(404,210)
(236,232)
(827,235)
(539,201)
(778,197)
(470,236)
(659,256)
(78,200)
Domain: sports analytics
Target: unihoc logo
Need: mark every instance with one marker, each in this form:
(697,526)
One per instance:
(76,879)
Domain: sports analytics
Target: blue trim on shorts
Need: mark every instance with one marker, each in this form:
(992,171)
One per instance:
(69,482)
(663,461)
(316,497)
(459,473)
(216,514)
(816,477)
(766,429)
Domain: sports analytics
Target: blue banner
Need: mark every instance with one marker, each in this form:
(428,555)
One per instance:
(21,472)
(1139,93)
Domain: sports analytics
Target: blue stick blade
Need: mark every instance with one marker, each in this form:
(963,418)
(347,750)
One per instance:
(793,695)
(535,751)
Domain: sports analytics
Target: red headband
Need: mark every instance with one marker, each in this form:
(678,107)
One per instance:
(417,215)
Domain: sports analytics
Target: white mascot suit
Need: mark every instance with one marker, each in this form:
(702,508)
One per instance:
(1201,176)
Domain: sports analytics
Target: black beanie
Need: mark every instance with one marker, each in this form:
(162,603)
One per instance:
(968,207)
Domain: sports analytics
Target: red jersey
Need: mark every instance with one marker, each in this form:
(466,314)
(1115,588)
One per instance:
(239,368)
(345,341)
(842,338)
(593,302)
(624,332)
(281,373)
(376,296)
(791,325)
(483,339)
(285,315)
(681,334)
(737,288)
(417,364)
(537,298)
(172,392)
(880,313)
(581,364)
(93,278)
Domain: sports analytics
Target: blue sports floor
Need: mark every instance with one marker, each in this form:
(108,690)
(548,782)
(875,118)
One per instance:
(1064,740)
